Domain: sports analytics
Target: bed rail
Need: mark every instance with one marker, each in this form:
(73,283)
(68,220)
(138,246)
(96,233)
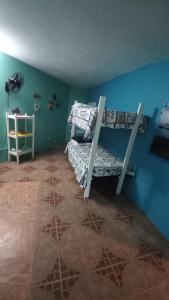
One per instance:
(130,146)
(102,101)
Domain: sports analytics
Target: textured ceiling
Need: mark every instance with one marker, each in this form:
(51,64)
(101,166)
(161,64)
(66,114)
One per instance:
(85,42)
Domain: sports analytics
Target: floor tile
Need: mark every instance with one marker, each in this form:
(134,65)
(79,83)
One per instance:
(45,259)
(16,194)
(13,292)
(68,248)
(16,270)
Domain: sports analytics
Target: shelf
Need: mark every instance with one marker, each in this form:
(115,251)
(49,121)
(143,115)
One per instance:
(20,153)
(14,136)
(20,117)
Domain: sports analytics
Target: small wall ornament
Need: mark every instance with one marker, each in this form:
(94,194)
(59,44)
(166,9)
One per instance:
(51,105)
(160,145)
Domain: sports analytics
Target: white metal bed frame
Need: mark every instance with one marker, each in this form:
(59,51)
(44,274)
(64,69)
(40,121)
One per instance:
(126,160)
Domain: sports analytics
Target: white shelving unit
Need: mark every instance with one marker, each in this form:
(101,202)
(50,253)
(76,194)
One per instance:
(16,135)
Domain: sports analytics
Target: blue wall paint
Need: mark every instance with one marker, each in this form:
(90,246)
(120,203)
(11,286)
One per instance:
(50,125)
(150,189)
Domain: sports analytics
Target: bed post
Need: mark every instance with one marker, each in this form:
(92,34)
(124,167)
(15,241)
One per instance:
(140,112)
(73,126)
(101,105)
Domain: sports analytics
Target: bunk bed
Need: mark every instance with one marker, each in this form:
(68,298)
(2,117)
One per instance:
(90,159)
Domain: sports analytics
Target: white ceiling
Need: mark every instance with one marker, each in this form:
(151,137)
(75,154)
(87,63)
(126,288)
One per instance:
(85,42)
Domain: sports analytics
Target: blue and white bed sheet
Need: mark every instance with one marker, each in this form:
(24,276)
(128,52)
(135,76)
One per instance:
(85,116)
(105,163)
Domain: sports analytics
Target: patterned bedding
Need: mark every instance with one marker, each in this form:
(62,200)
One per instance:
(84,116)
(105,164)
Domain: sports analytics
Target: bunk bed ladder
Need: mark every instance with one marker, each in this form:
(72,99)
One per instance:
(130,148)
(101,105)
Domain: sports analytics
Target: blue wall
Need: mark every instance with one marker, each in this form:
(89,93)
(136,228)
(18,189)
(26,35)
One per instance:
(150,189)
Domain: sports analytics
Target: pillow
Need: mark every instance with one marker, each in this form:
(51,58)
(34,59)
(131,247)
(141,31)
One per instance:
(80,139)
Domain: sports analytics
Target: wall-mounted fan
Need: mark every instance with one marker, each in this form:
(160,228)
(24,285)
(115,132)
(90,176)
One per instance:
(14,84)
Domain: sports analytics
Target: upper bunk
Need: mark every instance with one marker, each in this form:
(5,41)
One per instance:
(84,116)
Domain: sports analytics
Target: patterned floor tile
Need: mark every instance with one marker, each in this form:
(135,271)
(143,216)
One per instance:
(161,291)
(29,169)
(99,249)
(71,211)
(48,291)
(46,216)
(53,198)
(139,276)
(4,168)
(51,168)
(25,179)
(61,227)
(155,259)
(46,260)
(122,216)
(120,239)
(93,221)
(80,248)
(50,159)
(14,291)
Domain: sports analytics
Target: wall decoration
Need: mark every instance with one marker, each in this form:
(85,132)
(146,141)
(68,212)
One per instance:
(51,105)
(160,143)
(37,96)
(16,111)
(57,105)
(37,107)
(54,97)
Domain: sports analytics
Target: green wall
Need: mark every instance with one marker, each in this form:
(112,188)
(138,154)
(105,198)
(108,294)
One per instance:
(50,125)
(80,95)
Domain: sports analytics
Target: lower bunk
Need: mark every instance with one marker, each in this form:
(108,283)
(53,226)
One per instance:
(105,163)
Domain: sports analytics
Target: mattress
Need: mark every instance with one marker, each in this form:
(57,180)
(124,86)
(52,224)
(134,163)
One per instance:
(105,163)
(85,116)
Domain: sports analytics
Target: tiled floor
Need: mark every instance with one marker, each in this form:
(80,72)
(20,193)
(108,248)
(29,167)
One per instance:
(18,237)
(97,250)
